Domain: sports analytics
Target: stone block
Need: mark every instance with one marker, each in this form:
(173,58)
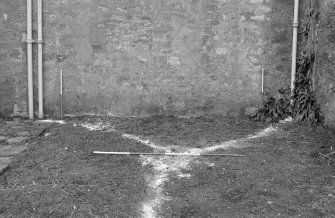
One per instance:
(37,131)
(4,164)
(11,150)
(17,140)
(198,44)
(22,133)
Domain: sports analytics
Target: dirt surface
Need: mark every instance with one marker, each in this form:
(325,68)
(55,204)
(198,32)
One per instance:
(286,172)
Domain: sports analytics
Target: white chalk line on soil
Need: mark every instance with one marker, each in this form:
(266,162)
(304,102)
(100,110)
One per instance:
(164,165)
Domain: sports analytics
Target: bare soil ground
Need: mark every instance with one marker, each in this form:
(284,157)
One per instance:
(288,173)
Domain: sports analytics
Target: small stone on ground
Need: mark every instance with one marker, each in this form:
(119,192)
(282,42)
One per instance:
(11,150)
(17,140)
(4,164)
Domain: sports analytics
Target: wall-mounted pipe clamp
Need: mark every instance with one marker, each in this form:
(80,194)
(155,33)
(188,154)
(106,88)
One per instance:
(30,41)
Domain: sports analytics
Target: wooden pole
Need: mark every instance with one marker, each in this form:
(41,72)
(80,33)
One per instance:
(263,86)
(262,81)
(61,93)
(165,154)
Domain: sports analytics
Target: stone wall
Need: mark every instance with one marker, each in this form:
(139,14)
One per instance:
(148,57)
(13,76)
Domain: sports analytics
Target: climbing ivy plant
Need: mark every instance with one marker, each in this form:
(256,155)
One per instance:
(274,108)
(304,105)
(301,104)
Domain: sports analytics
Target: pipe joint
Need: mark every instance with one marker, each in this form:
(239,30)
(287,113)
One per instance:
(39,41)
(295,24)
(30,41)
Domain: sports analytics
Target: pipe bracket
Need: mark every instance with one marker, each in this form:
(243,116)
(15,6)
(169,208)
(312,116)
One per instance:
(39,41)
(30,41)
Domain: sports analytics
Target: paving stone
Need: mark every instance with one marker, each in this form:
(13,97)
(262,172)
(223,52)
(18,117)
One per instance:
(18,126)
(23,133)
(10,150)
(12,123)
(38,130)
(4,164)
(17,140)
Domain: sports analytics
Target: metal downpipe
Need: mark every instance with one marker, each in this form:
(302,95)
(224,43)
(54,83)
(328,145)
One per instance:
(40,59)
(294,42)
(29,60)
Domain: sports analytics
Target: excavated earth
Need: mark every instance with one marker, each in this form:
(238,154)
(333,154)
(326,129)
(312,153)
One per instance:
(286,170)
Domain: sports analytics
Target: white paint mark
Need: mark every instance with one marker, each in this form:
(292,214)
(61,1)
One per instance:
(50,121)
(225,145)
(155,186)
(164,165)
(239,143)
(98,126)
(264,132)
(184,175)
(147,142)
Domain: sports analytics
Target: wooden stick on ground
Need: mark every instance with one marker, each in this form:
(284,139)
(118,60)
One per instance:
(166,154)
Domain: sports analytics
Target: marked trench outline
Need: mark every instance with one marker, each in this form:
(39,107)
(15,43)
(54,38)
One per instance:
(164,165)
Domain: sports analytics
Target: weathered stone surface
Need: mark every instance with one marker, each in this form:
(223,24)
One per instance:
(22,133)
(150,57)
(17,140)
(4,164)
(18,127)
(153,57)
(11,150)
(37,131)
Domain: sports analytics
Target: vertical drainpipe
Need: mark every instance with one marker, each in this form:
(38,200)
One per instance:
(40,59)
(29,59)
(294,42)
